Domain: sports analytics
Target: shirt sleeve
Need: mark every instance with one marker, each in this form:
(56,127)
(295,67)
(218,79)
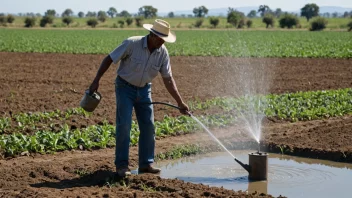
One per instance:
(120,52)
(165,69)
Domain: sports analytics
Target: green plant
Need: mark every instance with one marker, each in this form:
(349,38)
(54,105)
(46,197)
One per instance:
(198,22)
(318,23)
(214,21)
(92,22)
(67,20)
(269,20)
(29,21)
(349,25)
(288,20)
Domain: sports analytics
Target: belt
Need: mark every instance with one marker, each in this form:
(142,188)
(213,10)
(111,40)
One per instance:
(129,84)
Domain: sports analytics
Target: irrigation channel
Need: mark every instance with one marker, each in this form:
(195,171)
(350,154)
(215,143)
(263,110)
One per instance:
(286,175)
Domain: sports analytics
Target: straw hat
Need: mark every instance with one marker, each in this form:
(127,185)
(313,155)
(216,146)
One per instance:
(162,29)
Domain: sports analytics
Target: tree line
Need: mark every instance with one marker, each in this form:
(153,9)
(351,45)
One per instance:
(235,18)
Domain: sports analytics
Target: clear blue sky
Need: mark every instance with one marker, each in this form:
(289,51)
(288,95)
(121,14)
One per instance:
(40,6)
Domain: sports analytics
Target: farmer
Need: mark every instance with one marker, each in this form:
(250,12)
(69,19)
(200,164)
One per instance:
(142,58)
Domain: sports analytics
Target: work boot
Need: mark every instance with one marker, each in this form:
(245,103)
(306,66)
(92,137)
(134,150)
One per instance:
(123,172)
(149,169)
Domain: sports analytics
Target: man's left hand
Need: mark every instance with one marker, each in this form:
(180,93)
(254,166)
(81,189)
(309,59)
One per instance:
(184,109)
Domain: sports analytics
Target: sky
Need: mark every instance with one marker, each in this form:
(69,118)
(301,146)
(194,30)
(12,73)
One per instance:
(132,6)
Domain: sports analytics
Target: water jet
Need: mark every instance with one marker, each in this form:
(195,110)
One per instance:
(258,161)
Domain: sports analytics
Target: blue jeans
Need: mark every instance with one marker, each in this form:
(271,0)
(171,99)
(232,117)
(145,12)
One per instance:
(128,97)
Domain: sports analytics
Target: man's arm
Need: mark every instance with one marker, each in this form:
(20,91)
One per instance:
(171,87)
(104,66)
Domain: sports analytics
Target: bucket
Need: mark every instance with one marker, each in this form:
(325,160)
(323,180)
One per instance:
(90,101)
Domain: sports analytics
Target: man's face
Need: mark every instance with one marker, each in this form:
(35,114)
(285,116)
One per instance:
(157,42)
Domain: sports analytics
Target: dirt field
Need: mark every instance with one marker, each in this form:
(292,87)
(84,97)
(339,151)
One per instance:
(31,82)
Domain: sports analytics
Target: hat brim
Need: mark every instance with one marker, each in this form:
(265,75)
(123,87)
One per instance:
(171,38)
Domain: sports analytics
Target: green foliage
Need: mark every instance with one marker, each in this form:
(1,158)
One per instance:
(2,19)
(80,14)
(234,17)
(288,20)
(47,19)
(139,21)
(147,11)
(112,12)
(102,16)
(198,22)
(249,23)
(129,21)
(29,21)
(10,18)
(264,9)
(124,13)
(269,20)
(310,10)
(200,11)
(332,44)
(50,13)
(252,14)
(349,25)
(214,21)
(291,106)
(67,20)
(92,22)
(121,22)
(318,23)
(67,13)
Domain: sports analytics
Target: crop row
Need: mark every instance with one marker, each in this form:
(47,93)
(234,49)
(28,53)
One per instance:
(189,43)
(23,121)
(296,106)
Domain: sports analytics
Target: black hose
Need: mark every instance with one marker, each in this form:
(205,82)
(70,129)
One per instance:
(164,103)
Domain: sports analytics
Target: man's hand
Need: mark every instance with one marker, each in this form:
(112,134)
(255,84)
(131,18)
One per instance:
(184,109)
(94,86)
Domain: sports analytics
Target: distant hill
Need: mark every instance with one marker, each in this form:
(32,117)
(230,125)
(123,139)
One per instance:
(246,10)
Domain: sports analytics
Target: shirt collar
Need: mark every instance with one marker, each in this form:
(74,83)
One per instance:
(145,43)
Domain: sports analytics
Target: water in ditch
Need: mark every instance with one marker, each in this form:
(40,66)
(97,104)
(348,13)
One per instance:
(287,175)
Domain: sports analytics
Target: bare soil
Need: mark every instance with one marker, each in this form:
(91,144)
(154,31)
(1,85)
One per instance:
(32,82)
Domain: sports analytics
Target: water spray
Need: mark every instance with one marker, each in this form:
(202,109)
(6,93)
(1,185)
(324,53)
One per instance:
(245,166)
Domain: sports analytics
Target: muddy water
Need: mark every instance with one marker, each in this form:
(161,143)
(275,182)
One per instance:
(288,176)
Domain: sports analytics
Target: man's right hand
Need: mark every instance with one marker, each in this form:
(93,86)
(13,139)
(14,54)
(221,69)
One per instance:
(94,86)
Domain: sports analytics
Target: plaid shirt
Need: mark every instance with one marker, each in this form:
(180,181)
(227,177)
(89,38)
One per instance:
(138,66)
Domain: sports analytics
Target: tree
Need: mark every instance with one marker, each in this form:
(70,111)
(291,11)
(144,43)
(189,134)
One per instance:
(92,22)
(10,18)
(112,12)
(319,23)
(67,20)
(124,13)
(68,12)
(263,9)
(234,17)
(147,11)
(50,13)
(278,12)
(171,15)
(200,11)
(47,19)
(129,21)
(81,14)
(29,21)
(288,20)
(310,10)
(102,16)
(268,19)
(91,14)
(214,21)
(252,14)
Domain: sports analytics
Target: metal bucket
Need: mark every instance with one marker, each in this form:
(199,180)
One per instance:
(90,100)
